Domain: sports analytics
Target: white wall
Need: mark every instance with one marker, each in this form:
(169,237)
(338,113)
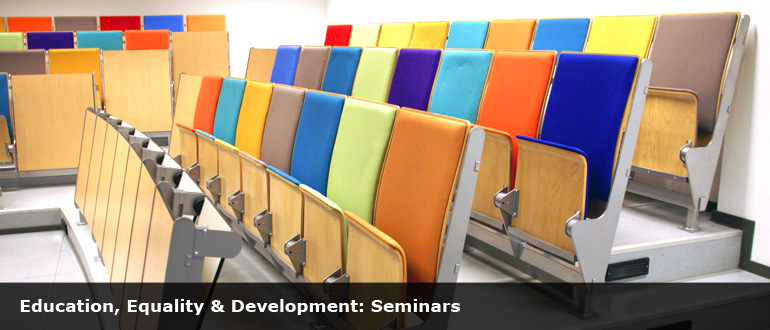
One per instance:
(251,23)
(745,180)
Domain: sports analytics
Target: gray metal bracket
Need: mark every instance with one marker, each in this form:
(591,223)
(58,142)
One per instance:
(114,122)
(571,223)
(236,202)
(264,223)
(126,131)
(177,159)
(214,185)
(155,155)
(172,175)
(138,143)
(194,171)
(181,202)
(8,149)
(508,204)
(337,286)
(295,249)
(190,245)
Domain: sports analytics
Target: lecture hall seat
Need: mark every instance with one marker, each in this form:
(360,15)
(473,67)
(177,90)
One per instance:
(147,39)
(338,35)
(75,23)
(628,35)
(120,23)
(285,65)
(341,70)
(467,34)
(50,40)
(205,109)
(29,24)
(173,23)
(561,34)
(5,106)
(430,35)
(311,66)
(512,34)
(413,78)
(23,62)
(375,70)
(2,24)
(397,35)
(11,41)
(281,126)
(364,35)
(206,23)
(228,109)
(460,83)
(252,117)
(104,40)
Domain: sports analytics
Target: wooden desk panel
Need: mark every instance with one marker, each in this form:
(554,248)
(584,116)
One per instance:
(200,53)
(184,112)
(84,161)
(103,190)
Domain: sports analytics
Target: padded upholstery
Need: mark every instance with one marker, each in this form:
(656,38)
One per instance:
(206,23)
(206,108)
(338,35)
(413,78)
(29,24)
(49,40)
(147,39)
(459,83)
(679,37)
(228,108)
(515,94)
(22,62)
(173,23)
(75,23)
(416,187)
(120,23)
(630,35)
(2,24)
(5,106)
(510,34)
(316,132)
(341,70)
(396,35)
(375,69)
(562,34)
(311,66)
(251,120)
(359,149)
(285,65)
(281,126)
(76,61)
(430,35)
(11,41)
(104,40)
(467,34)
(364,35)
(585,111)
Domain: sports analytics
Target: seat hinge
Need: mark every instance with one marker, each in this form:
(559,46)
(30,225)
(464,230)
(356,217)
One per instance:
(295,249)
(236,201)
(214,185)
(264,223)
(194,171)
(337,286)
(508,204)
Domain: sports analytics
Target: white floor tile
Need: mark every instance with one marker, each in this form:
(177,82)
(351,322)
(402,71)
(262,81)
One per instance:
(30,265)
(30,243)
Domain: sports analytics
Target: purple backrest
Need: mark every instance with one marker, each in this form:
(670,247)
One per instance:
(48,40)
(413,78)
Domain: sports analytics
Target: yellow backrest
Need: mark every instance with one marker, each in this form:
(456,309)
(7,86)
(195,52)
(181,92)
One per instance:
(83,60)
(627,35)
(430,34)
(251,120)
(396,35)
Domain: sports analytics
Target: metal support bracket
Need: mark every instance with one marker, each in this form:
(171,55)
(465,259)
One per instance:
(236,202)
(178,159)
(126,131)
(571,223)
(214,185)
(155,155)
(172,175)
(264,223)
(187,203)
(190,245)
(194,171)
(508,204)
(337,286)
(295,249)
(8,149)
(683,152)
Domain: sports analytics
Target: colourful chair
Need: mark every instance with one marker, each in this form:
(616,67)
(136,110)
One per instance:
(19,62)
(467,34)
(120,23)
(397,35)
(147,39)
(430,35)
(413,78)
(75,23)
(364,35)
(5,106)
(375,69)
(628,35)
(252,117)
(11,41)
(311,66)
(338,35)
(173,23)
(281,126)
(104,40)
(561,34)
(29,24)
(510,34)
(50,40)
(285,66)
(206,108)
(2,24)
(341,70)
(206,23)
(228,108)
(459,83)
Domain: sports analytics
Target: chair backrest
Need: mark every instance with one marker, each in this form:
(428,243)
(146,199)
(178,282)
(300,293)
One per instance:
(467,34)
(341,70)
(561,34)
(396,35)
(104,40)
(285,65)
(206,23)
(375,69)
(11,41)
(515,94)
(417,185)
(173,23)
(362,140)
(2,24)
(629,35)
(228,108)
(75,23)
(413,78)
(311,66)
(677,39)
(251,120)
(281,126)
(29,24)
(316,132)
(18,62)
(260,64)
(206,108)
(147,39)
(5,102)
(459,83)
(76,61)
(510,34)
(364,35)
(338,35)
(430,35)
(120,23)
(585,110)
(49,40)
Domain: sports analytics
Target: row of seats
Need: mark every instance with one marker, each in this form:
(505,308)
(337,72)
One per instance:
(105,40)
(173,23)
(562,34)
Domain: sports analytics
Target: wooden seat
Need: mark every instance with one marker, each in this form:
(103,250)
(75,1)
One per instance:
(75,23)
(629,35)
(184,111)
(511,34)
(206,23)
(338,35)
(375,70)
(341,70)
(260,65)
(200,53)
(120,23)
(459,83)
(104,40)
(286,209)
(255,190)
(50,40)
(29,24)
(364,35)
(208,160)
(561,34)
(11,41)
(311,67)
(229,165)
(147,39)
(430,35)
(285,66)
(325,233)
(413,78)
(467,34)
(397,35)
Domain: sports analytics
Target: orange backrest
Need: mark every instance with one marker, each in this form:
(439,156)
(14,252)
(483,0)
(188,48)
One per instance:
(2,24)
(510,34)
(206,23)
(416,186)
(515,93)
(206,108)
(147,39)
(29,24)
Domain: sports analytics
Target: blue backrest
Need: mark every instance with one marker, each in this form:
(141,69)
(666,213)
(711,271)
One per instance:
(285,65)
(316,132)
(173,23)
(49,40)
(5,108)
(585,111)
(469,35)
(413,78)
(104,40)
(341,70)
(459,84)
(228,108)
(561,34)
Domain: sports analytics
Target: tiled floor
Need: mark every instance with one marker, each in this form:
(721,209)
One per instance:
(38,257)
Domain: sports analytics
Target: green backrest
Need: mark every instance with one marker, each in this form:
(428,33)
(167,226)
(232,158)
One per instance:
(375,70)
(11,41)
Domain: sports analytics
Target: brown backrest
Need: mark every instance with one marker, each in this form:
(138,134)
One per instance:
(281,126)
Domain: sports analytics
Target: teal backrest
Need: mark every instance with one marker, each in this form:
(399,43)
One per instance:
(228,108)
(459,84)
